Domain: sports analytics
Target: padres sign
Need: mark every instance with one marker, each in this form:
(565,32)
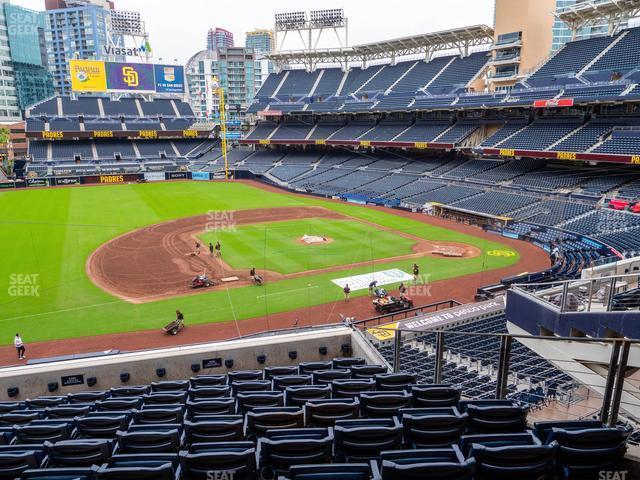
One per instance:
(125,77)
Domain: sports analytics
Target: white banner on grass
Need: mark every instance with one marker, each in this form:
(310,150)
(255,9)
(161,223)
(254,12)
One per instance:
(361,282)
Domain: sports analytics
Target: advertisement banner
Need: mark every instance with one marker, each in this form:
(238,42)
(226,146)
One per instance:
(7,185)
(61,181)
(88,76)
(177,176)
(169,78)
(461,313)
(125,77)
(154,176)
(111,179)
(37,182)
(200,176)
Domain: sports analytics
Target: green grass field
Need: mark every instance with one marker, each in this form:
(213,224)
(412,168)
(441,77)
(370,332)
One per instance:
(273,246)
(46,236)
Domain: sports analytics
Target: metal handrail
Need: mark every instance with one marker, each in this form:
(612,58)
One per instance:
(406,313)
(575,280)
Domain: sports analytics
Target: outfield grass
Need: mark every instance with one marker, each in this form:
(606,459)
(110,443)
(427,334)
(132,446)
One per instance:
(275,246)
(50,233)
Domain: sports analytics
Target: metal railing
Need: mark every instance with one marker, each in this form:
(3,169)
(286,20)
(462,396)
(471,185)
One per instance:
(404,314)
(502,373)
(597,294)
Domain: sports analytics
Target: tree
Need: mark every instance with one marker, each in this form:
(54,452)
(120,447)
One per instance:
(5,138)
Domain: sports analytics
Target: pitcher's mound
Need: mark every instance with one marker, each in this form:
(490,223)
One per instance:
(314,240)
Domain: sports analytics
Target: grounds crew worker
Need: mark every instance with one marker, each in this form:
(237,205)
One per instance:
(347,291)
(17,341)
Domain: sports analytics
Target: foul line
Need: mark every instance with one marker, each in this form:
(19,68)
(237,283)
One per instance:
(288,291)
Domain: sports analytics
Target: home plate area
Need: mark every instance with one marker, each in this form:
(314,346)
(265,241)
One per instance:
(315,240)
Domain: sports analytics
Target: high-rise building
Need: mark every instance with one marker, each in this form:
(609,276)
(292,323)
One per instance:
(25,29)
(79,30)
(261,41)
(57,4)
(238,74)
(562,33)
(9,108)
(219,38)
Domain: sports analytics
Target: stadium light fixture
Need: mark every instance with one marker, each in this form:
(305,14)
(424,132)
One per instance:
(327,18)
(124,22)
(290,21)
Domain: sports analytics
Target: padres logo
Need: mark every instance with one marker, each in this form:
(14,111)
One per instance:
(130,77)
(501,253)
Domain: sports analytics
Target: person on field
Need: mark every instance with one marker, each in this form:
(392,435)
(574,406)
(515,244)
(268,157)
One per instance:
(402,289)
(347,291)
(252,273)
(17,341)
(218,249)
(179,315)
(210,248)
(197,248)
(372,287)
(416,273)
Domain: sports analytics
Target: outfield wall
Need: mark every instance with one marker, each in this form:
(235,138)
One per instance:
(33,380)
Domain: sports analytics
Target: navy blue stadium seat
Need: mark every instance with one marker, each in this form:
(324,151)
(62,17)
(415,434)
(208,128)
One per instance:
(236,459)
(433,427)
(438,464)
(364,439)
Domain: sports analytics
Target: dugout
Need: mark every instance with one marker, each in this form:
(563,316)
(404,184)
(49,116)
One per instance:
(461,215)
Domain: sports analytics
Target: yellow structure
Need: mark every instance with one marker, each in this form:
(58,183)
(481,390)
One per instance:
(223,123)
(523,39)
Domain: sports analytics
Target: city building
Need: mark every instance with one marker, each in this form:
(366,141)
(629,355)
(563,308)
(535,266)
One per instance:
(26,34)
(219,38)
(261,41)
(523,37)
(56,4)
(9,109)
(562,33)
(17,147)
(238,73)
(78,30)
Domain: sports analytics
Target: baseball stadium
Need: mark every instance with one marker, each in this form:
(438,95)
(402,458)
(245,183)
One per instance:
(417,257)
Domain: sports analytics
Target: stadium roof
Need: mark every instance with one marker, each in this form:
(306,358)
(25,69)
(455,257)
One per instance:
(458,39)
(588,12)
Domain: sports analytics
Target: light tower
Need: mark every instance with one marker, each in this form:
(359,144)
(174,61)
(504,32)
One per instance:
(311,27)
(128,25)
(217,89)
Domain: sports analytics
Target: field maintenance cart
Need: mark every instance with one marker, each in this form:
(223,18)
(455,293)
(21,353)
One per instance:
(174,327)
(202,281)
(385,303)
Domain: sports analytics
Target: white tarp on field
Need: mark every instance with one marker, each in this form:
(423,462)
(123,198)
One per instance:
(361,282)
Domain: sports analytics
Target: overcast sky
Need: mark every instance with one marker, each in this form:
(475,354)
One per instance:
(179,30)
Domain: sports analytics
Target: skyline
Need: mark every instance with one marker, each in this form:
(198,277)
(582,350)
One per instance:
(404,19)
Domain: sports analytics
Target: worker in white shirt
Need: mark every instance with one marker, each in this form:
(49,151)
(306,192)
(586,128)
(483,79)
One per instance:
(17,341)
